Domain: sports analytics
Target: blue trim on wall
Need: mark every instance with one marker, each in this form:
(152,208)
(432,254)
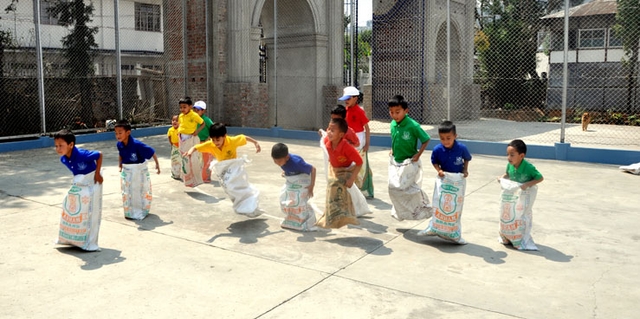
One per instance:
(559,151)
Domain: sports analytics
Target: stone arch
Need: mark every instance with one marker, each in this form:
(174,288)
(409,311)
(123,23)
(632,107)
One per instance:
(299,67)
(441,54)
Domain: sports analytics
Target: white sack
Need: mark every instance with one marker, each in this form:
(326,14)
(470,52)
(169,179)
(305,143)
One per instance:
(235,182)
(294,202)
(448,199)
(81,213)
(405,191)
(135,184)
(516,215)
(633,168)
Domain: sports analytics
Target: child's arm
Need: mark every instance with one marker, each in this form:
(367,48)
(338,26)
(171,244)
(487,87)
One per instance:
(254,143)
(353,176)
(97,177)
(199,129)
(119,163)
(190,151)
(170,143)
(531,183)
(416,157)
(438,169)
(313,181)
(155,158)
(465,168)
(367,134)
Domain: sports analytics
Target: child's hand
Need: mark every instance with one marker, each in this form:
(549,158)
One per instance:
(158,169)
(98,178)
(349,182)
(258,147)
(524,186)
(465,173)
(415,158)
(441,173)
(120,166)
(310,189)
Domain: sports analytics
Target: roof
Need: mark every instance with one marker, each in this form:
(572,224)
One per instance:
(593,8)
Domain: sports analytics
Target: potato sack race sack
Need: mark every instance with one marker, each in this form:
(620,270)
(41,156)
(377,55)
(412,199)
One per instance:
(633,168)
(405,191)
(235,182)
(516,215)
(339,210)
(294,202)
(135,184)
(364,181)
(81,213)
(191,172)
(448,198)
(176,162)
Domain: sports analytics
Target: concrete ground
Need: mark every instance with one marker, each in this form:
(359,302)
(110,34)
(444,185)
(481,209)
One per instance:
(192,257)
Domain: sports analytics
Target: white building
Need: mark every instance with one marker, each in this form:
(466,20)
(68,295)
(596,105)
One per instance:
(141,37)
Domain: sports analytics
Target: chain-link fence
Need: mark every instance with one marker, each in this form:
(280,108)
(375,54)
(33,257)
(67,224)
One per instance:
(493,67)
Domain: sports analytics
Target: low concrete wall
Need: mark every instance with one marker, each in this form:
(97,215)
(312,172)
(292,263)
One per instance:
(559,151)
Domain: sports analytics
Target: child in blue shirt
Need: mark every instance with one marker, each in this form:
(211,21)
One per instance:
(82,206)
(134,175)
(298,189)
(450,155)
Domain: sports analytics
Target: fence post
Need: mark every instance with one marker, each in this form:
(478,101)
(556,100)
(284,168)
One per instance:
(40,78)
(116,23)
(565,71)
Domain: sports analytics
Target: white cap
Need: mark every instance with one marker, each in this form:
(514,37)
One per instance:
(348,92)
(201,105)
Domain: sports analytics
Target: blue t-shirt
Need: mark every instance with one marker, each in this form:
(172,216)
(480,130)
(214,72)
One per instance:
(135,152)
(296,165)
(450,159)
(81,161)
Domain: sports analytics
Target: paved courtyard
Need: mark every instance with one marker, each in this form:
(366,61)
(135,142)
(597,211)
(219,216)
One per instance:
(194,258)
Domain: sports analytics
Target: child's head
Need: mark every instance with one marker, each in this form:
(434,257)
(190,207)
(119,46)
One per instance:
(185,104)
(447,132)
(280,154)
(336,130)
(123,130)
(64,142)
(398,108)
(200,107)
(174,121)
(218,132)
(350,96)
(516,151)
(339,112)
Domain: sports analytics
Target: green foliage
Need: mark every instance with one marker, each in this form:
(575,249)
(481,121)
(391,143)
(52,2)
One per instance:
(364,50)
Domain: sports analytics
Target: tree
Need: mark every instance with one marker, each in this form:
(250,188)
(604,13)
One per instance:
(508,56)
(627,29)
(78,46)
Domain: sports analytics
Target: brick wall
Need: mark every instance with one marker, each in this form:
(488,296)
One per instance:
(246,104)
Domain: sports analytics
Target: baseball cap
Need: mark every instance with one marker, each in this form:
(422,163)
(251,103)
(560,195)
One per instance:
(201,105)
(348,92)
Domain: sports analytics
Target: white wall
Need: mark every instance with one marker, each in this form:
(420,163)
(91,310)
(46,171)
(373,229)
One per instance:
(21,25)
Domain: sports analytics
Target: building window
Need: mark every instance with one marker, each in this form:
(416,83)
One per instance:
(147,17)
(613,40)
(593,38)
(45,16)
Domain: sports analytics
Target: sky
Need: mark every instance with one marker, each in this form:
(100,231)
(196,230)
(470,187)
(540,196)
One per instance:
(365,11)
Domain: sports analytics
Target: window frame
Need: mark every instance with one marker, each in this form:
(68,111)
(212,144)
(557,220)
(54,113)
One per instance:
(609,36)
(584,31)
(147,17)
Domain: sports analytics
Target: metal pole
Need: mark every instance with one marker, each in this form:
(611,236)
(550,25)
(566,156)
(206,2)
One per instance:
(207,32)
(116,23)
(351,40)
(565,71)
(185,66)
(36,19)
(448,59)
(275,58)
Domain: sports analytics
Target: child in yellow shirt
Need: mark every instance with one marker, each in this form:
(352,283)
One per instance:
(188,130)
(174,141)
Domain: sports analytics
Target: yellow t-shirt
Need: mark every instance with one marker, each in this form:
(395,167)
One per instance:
(189,122)
(173,135)
(228,151)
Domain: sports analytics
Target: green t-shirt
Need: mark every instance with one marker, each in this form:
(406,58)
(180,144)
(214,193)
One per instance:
(404,138)
(204,134)
(526,172)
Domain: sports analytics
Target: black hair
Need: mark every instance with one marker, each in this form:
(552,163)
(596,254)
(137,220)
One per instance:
(519,145)
(447,127)
(185,100)
(65,135)
(339,110)
(279,150)
(217,130)
(398,100)
(341,123)
(124,124)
